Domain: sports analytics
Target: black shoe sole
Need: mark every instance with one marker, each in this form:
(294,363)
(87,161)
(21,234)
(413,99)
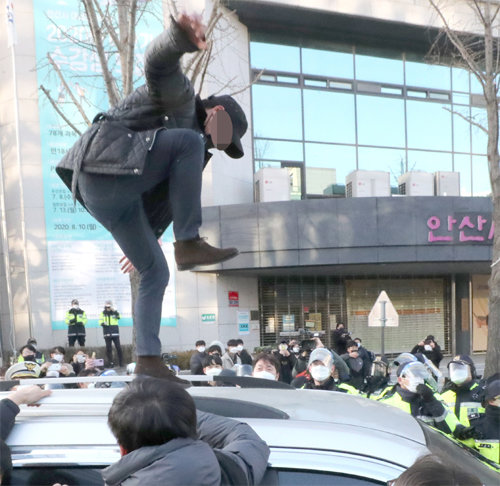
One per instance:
(189,266)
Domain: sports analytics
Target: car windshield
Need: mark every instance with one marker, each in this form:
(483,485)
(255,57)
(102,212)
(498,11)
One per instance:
(460,455)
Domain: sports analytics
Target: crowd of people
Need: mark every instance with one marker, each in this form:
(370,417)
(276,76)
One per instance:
(463,406)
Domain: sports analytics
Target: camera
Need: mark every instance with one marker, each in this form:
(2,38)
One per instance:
(98,362)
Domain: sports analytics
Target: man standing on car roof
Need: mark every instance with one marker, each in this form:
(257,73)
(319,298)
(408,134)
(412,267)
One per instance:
(139,167)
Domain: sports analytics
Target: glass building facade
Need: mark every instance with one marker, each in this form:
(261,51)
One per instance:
(323,112)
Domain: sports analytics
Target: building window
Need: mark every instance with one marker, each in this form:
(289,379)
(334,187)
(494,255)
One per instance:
(350,108)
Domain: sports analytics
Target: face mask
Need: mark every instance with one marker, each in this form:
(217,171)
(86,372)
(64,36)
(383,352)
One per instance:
(30,357)
(266,375)
(320,373)
(459,375)
(358,344)
(296,349)
(58,357)
(75,307)
(213,371)
(201,349)
(413,383)
(80,358)
(233,350)
(239,348)
(428,347)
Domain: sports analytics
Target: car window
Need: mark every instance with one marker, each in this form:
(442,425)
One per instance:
(460,455)
(47,476)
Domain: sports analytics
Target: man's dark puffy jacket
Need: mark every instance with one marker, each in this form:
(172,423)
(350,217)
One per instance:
(118,141)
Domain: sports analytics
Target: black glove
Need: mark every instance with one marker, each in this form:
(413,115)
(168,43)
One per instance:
(463,433)
(425,392)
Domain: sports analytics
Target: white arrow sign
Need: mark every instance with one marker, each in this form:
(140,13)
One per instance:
(391,315)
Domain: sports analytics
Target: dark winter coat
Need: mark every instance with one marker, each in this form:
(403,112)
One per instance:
(119,140)
(8,412)
(188,461)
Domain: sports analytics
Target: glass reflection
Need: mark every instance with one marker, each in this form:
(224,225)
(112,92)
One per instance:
(461,130)
(429,161)
(277,112)
(389,160)
(275,57)
(329,117)
(462,164)
(277,150)
(481,185)
(342,158)
(427,75)
(327,63)
(369,68)
(429,125)
(460,79)
(381,121)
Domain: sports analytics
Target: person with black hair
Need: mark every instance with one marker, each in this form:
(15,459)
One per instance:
(109,320)
(163,439)
(138,168)
(196,359)
(429,348)
(29,352)
(243,354)
(266,366)
(340,337)
(286,358)
(231,357)
(359,368)
(212,366)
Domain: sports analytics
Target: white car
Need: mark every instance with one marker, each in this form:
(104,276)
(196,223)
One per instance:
(315,437)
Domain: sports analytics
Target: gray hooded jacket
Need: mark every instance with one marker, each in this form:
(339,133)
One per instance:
(188,461)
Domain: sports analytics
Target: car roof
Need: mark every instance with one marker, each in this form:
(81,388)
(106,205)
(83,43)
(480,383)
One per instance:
(306,419)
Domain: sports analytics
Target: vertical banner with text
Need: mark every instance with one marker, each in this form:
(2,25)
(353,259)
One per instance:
(83,258)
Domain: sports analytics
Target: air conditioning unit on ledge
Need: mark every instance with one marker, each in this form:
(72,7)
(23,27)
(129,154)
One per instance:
(272,184)
(447,183)
(368,183)
(416,183)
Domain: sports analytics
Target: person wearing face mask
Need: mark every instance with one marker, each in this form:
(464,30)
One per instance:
(243,354)
(463,393)
(429,348)
(413,395)
(320,373)
(79,361)
(231,356)
(211,366)
(266,366)
(486,431)
(197,358)
(109,320)
(359,368)
(31,345)
(76,320)
(286,359)
(363,352)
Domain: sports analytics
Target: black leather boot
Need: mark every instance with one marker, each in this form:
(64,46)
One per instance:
(155,367)
(191,253)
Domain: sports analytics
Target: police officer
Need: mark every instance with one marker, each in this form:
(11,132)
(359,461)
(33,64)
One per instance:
(109,321)
(487,428)
(320,372)
(76,320)
(414,395)
(463,394)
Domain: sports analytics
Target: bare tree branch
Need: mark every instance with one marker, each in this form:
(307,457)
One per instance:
(68,89)
(257,77)
(468,119)
(58,110)
(97,36)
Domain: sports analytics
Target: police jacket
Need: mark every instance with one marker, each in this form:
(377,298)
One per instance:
(119,140)
(433,412)
(76,320)
(109,322)
(465,400)
(487,434)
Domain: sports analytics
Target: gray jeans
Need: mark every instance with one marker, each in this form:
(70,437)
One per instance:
(116,202)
